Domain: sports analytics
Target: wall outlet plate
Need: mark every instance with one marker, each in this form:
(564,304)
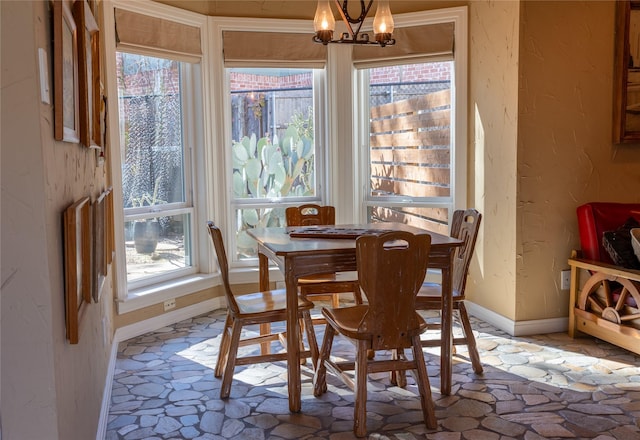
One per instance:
(170,304)
(565,279)
(43,65)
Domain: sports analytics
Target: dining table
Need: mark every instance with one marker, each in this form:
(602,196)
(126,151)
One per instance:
(303,251)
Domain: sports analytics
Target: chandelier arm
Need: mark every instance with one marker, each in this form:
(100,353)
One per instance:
(348,20)
(344,11)
(353,37)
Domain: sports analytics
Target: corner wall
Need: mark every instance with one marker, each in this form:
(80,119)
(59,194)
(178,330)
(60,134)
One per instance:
(565,153)
(492,155)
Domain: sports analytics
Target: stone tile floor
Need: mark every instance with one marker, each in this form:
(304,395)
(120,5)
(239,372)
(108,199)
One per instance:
(539,387)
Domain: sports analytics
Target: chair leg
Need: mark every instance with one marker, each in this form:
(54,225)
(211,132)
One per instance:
(227,378)
(428,407)
(360,412)
(471,340)
(265,329)
(320,376)
(398,377)
(223,352)
(357,294)
(311,338)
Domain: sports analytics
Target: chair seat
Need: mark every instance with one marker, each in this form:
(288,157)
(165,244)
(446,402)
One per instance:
(348,320)
(267,301)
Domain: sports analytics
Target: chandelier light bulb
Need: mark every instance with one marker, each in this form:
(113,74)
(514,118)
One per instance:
(383,22)
(324,23)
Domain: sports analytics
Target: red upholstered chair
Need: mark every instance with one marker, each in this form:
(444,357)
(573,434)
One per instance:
(604,296)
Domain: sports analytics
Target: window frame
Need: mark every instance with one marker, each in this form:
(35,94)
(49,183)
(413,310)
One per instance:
(339,136)
(188,79)
(458,144)
(201,274)
(221,94)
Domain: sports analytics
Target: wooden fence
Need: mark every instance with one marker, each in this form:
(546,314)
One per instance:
(410,156)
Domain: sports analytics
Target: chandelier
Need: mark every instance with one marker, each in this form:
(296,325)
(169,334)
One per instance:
(324,24)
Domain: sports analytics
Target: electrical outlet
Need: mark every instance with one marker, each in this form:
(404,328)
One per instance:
(565,279)
(169,304)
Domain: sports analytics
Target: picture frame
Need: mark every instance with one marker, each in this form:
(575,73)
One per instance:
(99,245)
(90,90)
(65,73)
(110,246)
(77,265)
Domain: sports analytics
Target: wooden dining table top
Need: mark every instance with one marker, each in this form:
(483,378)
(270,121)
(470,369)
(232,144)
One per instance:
(338,238)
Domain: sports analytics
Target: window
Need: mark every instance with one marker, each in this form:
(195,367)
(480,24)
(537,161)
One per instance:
(274,161)
(413,130)
(156,168)
(409,154)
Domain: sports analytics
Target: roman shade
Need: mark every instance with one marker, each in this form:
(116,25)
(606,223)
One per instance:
(272,49)
(158,37)
(415,42)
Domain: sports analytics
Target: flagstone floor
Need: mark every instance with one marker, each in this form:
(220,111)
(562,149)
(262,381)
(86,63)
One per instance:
(540,387)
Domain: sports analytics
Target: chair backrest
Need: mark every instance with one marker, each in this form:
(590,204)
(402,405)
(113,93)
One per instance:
(465,226)
(310,215)
(221,254)
(391,269)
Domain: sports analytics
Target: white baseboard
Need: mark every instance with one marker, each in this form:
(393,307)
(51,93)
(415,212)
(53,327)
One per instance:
(140,328)
(518,328)
(106,394)
(151,324)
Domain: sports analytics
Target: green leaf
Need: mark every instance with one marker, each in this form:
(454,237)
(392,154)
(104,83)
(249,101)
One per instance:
(298,168)
(307,148)
(262,142)
(246,242)
(275,160)
(239,186)
(239,153)
(253,169)
(279,177)
(252,146)
(286,145)
(250,217)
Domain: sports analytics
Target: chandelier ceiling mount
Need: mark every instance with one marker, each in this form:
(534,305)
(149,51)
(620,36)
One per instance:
(324,23)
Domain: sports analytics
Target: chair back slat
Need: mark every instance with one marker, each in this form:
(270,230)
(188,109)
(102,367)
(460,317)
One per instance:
(310,215)
(464,226)
(221,255)
(391,269)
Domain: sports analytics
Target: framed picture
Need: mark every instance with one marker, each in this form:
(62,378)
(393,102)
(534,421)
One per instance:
(77,264)
(99,245)
(90,94)
(65,73)
(110,246)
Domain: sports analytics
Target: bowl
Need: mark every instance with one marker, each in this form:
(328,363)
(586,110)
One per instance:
(635,241)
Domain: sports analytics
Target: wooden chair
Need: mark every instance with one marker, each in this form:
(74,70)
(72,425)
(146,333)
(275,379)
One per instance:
(465,226)
(391,269)
(247,309)
(323,286)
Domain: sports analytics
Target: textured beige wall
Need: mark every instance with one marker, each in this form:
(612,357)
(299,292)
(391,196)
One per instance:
(565,153)
(50,389)
(493,119)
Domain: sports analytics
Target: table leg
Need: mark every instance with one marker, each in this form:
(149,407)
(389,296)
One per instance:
(446,334)
(265,329)
(293,337)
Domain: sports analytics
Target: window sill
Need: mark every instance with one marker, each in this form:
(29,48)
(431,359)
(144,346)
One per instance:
(158,293)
